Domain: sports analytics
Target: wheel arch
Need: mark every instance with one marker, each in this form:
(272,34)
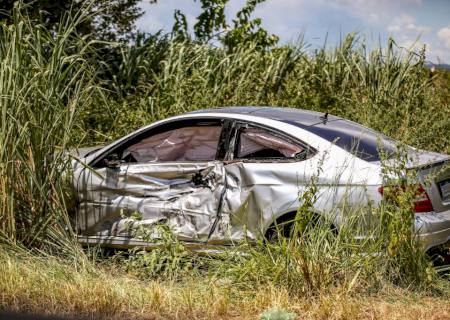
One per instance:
(288,217)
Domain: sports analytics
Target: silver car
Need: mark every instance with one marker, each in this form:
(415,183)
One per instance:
(221,175)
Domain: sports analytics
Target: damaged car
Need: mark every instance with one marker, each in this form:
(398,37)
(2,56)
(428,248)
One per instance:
(219,176)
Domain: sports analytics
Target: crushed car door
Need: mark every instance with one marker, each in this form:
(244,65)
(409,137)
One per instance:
(170,176)
(264,174)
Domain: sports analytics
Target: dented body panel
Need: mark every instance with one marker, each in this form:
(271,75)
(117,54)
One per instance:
(161,193)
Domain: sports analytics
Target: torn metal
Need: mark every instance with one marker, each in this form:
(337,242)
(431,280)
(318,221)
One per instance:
(186,197)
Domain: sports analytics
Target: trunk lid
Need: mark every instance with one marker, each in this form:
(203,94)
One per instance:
(434,173)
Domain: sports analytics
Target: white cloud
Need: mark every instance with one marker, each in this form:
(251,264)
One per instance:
(406,23)
(373,11)
(444,35)
(371,3)
(160,16)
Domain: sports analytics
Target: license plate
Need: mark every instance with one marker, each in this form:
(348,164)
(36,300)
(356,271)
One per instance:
(444,186)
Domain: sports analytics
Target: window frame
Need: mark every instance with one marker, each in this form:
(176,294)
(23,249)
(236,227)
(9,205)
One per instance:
(238,125)
(98,162)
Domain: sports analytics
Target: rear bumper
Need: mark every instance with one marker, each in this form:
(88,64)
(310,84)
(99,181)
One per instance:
(433,228)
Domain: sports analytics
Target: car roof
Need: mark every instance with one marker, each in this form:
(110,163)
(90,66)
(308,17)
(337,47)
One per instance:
(304,117)
(347,135)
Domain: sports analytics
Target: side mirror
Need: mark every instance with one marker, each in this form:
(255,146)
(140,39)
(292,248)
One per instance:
(113,161)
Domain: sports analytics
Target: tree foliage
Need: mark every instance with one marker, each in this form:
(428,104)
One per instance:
(246,30)
(212,25)
(109,20)
(211,21)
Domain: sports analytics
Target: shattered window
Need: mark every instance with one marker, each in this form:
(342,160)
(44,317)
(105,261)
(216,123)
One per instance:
(260,143)
(194,143)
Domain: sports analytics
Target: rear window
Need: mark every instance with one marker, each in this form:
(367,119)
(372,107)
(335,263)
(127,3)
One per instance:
(257,143)
(363,142)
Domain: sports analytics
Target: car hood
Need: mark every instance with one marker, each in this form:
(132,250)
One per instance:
(84,152)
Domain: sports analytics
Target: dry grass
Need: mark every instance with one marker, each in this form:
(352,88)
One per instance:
(51,286)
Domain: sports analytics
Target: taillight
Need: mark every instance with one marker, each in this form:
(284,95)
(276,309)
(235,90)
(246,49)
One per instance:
(422,202)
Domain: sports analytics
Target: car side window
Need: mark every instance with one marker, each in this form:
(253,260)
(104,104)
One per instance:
(190,143)
(257,143)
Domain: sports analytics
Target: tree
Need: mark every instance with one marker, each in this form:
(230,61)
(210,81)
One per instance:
(212,24)
(211,21)
(246,30)
(110,20)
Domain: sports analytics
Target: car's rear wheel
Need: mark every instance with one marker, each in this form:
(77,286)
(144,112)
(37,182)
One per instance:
(284,226)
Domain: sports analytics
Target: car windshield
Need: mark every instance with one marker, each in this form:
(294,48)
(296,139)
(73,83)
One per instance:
(363,142)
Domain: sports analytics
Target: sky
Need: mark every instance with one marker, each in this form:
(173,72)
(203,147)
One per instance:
(412,23)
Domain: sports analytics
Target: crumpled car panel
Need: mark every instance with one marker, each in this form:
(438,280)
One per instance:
(185,197)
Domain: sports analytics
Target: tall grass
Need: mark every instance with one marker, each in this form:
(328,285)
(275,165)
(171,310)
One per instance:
(44,83)
(315,257)
(387,89)
(308,256)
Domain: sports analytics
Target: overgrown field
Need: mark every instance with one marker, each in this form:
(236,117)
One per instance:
(59,91)
(50,286)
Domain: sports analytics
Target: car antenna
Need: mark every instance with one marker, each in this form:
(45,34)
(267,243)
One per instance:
(325,117)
